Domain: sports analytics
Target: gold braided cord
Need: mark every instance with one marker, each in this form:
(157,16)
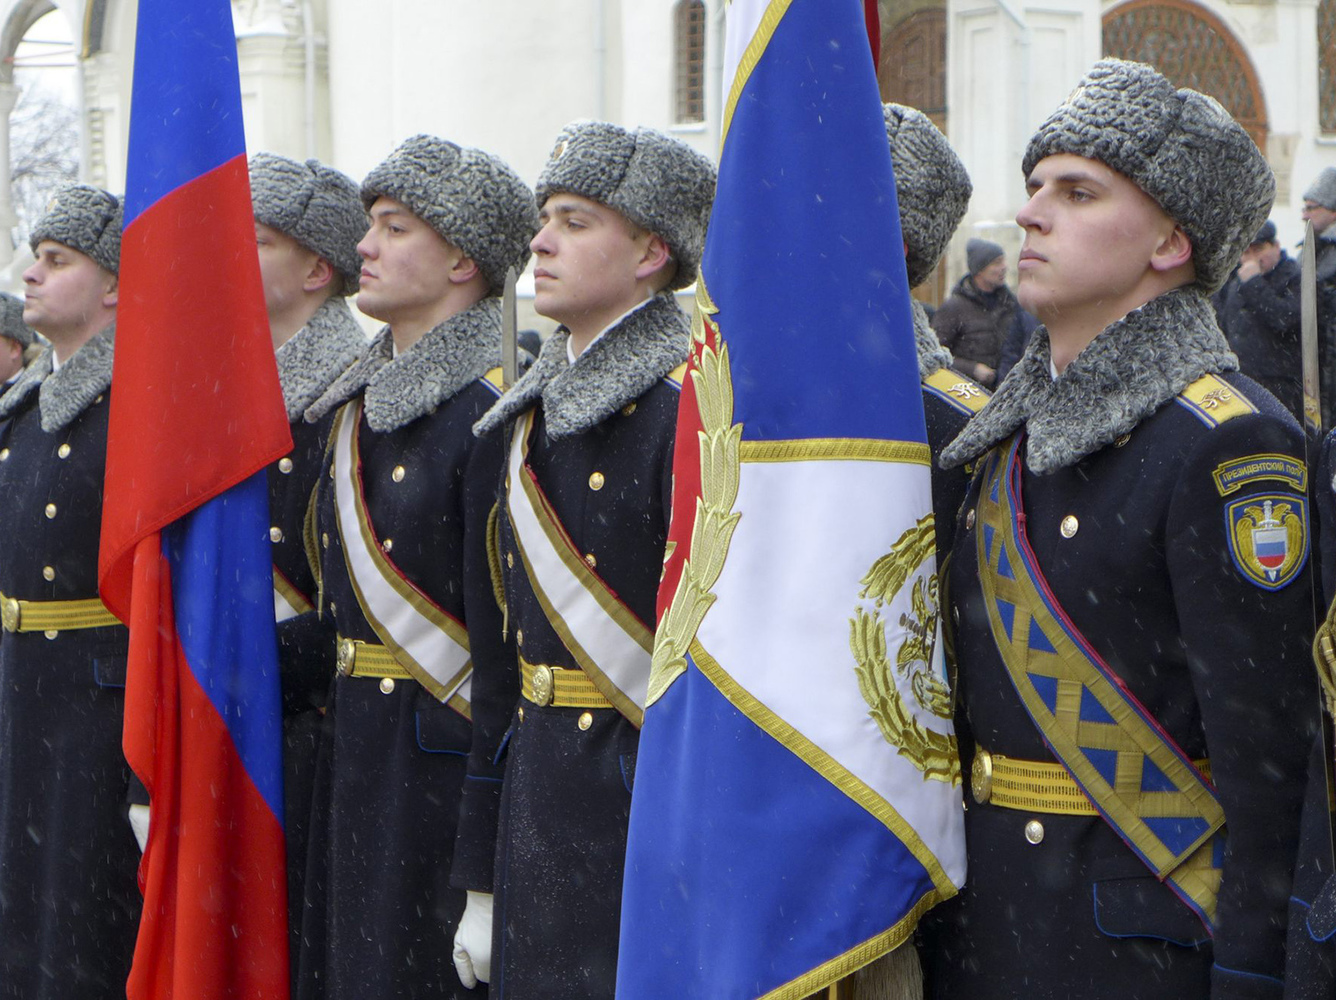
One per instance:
(774,13)
(835,450)
(1324,658)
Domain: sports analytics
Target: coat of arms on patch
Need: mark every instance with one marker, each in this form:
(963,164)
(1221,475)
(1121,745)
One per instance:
(1268,537)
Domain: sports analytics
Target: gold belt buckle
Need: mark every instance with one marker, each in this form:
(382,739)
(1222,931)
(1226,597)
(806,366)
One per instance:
(542,685)
(981,776)
(347,657)
(9,614)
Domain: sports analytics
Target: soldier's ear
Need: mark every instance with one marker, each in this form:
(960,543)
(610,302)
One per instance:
(1174,250)
(319,276)
(464,270)
(111,291)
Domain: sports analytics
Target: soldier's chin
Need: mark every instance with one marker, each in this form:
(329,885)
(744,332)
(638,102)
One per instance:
(370,305)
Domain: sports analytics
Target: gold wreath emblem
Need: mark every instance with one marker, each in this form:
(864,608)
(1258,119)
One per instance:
(712,530)
(933,753)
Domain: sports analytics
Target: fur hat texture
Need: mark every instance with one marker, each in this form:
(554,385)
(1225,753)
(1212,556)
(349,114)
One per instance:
(659,183)
(471,198)
(316,205)
(1179,146)
(1323,190)
(87,219)
(931,185)
(11,320)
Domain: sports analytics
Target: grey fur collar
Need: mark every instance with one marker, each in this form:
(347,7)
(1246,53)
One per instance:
(617,368)
(397,391)
(1130,370)
(931,354)
(317,354)
(67,392)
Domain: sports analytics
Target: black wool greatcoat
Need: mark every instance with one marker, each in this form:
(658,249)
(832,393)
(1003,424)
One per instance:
(69,903)
(384,883)
(1146,572)
(602,452)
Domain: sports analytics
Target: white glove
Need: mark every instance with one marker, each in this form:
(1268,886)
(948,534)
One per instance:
(139,820)
(473,941)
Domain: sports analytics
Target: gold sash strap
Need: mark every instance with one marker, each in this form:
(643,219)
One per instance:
(1037,786)
(1136,776)
(53,616)
(559,687)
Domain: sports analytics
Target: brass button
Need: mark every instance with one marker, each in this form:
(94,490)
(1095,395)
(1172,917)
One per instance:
(398,474)
(1034,831)
(276,534)
(969,519)
(596,481)
(98,400)
(981,776)
(324,539)
(387,545)
(628,409)
(50,633)
(332,608)
(542,685)
(48,573)
(387,685)
(510,560)
(1122,440)
(347,654)
(63,451)
(50,511)
(285,465)
(586,720)
(331,471)
(521,713)
(1070,525)
(589,558)
(519,637)
(4,454)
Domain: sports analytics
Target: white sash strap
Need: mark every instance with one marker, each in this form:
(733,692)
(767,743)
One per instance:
(430,644)
(606,639)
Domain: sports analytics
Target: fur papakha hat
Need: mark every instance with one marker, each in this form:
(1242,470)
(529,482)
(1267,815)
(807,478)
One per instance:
(931,185)
(316,205)
(659,183)
(470,197)
(1179,146)
(86,219)
(11,320)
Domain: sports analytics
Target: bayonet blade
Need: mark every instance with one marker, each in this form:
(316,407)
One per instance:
(1309,333)
(510,348)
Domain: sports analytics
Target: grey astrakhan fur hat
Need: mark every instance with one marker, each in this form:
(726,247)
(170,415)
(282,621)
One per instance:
(87,219)
(471,198)
(11,320)
(931,185)
(1323,190)
(659,183)
(314,204)
(1180,147)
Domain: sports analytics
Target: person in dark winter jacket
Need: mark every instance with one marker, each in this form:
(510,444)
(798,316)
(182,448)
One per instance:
(1259,311)
(975,318)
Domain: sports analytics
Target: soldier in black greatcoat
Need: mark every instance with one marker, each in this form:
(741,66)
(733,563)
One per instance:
(583,521)
(69,904)
(1132,618)
(400,527)
(308,220)
(18,342)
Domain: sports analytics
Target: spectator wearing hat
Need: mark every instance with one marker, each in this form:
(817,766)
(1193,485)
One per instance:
(69,903)
(1127,595)
(308,221)
(976,316)
(18,342)
(590,430)
(1258,309)
(399,529)
(1319,208)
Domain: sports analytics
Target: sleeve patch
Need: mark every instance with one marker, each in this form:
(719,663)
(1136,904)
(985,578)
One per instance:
(1233,475)
(1268,537)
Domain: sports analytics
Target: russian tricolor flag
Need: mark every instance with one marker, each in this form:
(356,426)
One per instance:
(797,799)
(196,415)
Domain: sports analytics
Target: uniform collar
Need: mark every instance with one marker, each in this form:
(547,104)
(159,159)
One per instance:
(399,390)
(620,366)
(1129,371)
(66,392)
(317,354)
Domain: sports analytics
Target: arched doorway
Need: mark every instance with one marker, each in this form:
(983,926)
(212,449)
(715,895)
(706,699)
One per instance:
(1193,48)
